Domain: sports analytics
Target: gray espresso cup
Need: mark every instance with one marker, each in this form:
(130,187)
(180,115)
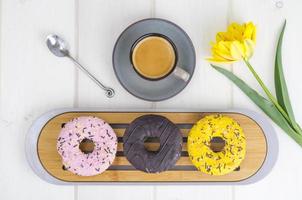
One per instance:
(154,57)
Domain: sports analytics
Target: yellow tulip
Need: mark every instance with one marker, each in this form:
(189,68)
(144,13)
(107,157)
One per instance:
(237,43)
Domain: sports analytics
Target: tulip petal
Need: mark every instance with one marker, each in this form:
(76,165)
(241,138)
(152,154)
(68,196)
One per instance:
(236,43)
(224,46)
(223,55)
(221,51)
(236,30)
(249,48)
(215,60)
(220,36)
(254,35)
(250,31)
(237,50)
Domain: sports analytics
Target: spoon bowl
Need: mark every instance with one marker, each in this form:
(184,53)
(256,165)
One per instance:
(57,45)
(59,48)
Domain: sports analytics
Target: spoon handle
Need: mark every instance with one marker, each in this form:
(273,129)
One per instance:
(109,91)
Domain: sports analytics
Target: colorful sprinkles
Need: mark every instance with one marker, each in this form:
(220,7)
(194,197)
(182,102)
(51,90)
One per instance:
(87,128)
(199,145)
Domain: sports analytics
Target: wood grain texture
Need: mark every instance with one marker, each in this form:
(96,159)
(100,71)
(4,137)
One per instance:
(30,83)
(100,24)
(200,19)
(50,159)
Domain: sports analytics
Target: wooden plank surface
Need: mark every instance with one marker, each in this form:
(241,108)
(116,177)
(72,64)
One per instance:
(200,19)
(29,86)
(51,160)
(284,182)
(30,83)
(100,24)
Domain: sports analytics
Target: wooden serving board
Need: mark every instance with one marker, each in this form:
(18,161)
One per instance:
(122,171)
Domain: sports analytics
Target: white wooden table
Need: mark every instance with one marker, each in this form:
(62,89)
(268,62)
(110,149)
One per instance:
(32,81)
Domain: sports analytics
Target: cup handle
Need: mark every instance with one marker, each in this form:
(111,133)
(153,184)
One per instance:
(181,73)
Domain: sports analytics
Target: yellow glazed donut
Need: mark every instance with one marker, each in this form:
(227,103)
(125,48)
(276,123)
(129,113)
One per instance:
(216,145)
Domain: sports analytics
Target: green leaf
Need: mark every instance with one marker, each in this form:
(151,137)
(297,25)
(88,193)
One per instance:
(280,84)
(265,105)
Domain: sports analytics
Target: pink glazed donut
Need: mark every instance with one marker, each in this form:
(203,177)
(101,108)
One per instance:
(83,129)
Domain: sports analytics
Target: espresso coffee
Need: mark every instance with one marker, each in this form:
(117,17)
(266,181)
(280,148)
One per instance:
(153,57)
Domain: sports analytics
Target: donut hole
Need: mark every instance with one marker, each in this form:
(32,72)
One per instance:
(87,146)
(152,144)
(217,144)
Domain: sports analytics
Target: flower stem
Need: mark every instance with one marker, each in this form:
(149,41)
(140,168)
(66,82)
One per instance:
(268,93)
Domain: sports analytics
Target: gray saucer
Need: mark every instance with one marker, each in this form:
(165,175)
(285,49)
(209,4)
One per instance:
(148,89)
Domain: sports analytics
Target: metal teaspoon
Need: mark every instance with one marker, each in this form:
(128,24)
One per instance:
(59,48)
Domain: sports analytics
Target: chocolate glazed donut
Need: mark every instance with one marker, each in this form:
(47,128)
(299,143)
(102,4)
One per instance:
(152,126)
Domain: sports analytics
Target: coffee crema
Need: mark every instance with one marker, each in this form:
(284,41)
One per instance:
(153,57)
